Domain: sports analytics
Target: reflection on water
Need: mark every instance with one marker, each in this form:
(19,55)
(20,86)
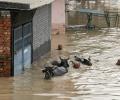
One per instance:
(100,81)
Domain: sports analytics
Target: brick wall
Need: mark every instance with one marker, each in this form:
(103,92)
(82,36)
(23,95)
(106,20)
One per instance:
(41,31)
(5,41)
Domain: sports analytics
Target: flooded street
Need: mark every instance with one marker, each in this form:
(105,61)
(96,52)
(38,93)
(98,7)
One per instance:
(100,81)
(96,82)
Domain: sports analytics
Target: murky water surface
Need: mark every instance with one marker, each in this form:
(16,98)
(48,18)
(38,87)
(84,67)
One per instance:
(100,81)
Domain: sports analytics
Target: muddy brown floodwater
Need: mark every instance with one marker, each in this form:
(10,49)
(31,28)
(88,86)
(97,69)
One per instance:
(100,81)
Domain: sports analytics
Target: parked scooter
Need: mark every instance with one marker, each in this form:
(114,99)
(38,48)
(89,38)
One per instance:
(83,60)
(57,70)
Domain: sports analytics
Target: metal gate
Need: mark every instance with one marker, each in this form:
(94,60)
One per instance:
(22,48)
(27,43)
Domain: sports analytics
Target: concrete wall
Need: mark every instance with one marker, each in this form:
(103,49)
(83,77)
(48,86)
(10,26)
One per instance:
(58,15)
(41,31)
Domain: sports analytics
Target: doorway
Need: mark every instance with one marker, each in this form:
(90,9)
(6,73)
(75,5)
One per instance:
(22,47)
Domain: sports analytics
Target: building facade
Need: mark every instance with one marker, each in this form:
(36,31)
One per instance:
(25,30)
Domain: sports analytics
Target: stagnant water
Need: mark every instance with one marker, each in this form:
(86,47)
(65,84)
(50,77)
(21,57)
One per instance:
(100,81)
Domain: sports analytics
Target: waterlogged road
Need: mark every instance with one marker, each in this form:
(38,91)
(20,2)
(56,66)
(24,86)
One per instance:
(100,81)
